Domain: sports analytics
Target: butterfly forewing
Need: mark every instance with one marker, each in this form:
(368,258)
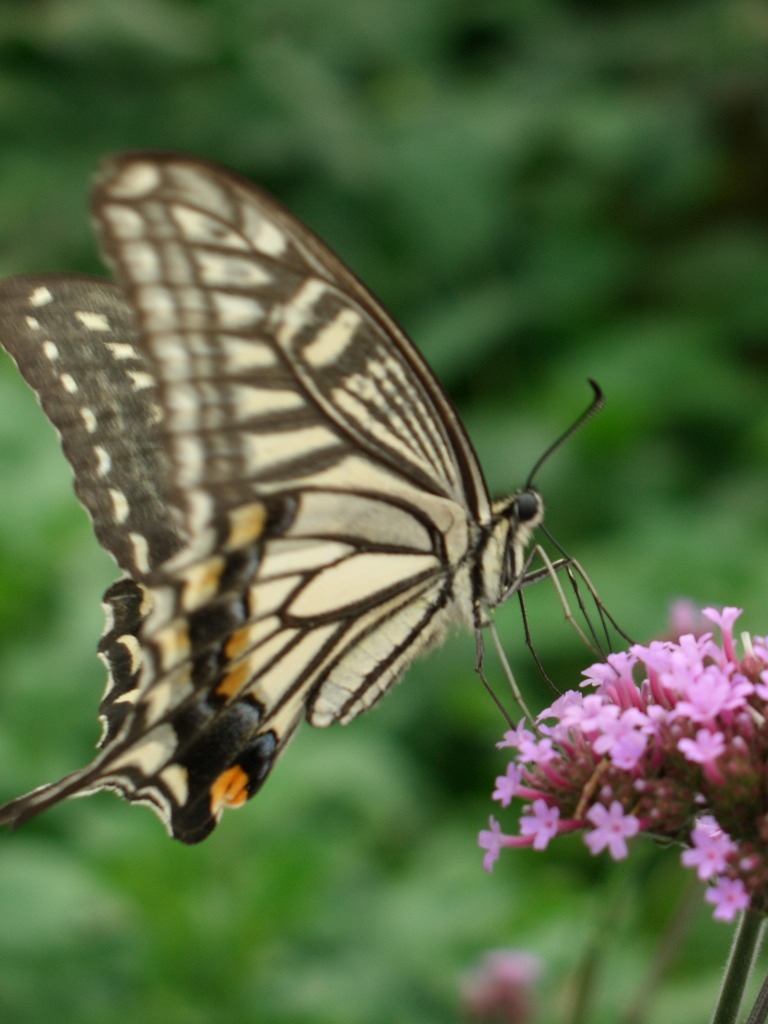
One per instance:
(74,341)
(258,333)
(291,494)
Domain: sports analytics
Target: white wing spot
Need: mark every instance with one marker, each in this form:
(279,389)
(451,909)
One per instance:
(125,222)
(140,380)
(32,323)
(104,460)
(143,261)
(236,311)
(140,551)
(176,780)
(132,645)
(332,340)
(89,419)
(200,506)
(158,307)
(135,180)
(40,296)
(92,321)
(159,604)
(265,236)
(201,227)
(270,240)
(125,698)
(234,271)
(250,402)
(50,350)
(69,383)
(120,507)
(190,458)
(121,349)
(242,356)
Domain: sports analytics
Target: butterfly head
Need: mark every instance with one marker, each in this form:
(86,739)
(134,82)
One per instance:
(514,521)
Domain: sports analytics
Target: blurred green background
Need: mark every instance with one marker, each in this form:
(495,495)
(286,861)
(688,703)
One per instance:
(540,191)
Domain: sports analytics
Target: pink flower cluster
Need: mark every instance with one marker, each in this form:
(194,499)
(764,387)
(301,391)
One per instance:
(682,755)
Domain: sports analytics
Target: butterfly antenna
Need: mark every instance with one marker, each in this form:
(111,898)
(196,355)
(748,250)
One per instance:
(597,403)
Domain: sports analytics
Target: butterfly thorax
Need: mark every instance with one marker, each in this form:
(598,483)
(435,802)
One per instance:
(504,552)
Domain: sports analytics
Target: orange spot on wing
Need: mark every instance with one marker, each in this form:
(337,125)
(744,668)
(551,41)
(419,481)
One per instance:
(230,789)
(233,681)
(238,643)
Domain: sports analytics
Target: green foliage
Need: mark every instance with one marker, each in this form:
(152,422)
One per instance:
(540,192)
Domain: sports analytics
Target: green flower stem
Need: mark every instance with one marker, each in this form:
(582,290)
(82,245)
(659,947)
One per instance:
(746,945)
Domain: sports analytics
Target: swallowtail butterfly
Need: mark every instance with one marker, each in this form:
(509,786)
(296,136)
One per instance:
(293,502)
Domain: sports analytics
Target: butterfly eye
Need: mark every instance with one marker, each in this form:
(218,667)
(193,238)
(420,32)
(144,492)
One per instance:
(527,506)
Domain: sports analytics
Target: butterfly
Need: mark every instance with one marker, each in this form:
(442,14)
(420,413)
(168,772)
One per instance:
(293,502)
